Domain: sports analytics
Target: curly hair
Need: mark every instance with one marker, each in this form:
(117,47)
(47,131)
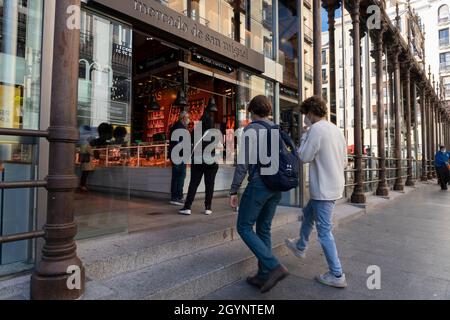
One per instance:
(316,105)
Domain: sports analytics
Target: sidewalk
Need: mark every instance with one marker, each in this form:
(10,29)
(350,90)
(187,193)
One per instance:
(406,237)
(409,239)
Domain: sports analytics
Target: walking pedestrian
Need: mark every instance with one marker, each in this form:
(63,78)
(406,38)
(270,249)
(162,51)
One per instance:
(178,169)
(202,167)
(258,203)
(441,163)
(324,147)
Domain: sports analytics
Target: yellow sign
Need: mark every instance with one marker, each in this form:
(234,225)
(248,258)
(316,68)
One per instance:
(10,106)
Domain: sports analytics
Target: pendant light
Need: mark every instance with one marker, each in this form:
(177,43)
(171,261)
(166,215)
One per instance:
(181,100)
(212,107)
(154,105)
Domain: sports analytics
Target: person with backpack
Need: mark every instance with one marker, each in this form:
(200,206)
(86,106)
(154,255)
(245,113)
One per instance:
(323,146)
(263,192)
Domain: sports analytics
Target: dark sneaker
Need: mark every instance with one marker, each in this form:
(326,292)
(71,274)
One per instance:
(275,276)
(176,203)
(331,280)
(256,281)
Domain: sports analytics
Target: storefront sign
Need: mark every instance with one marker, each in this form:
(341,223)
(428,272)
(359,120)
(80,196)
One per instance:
(211,63)
(186,29)
(122,50)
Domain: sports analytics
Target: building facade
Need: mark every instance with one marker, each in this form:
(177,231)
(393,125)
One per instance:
(136,59)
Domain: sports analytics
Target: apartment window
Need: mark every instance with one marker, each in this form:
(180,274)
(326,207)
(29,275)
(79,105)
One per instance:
(443,14)
(444,37)
(341,63)
(324,76)
(447,90)
(445,61)
(325,94)
(374,69)
(324,57)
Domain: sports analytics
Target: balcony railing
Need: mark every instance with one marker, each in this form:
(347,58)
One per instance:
(308,34)
(307,3)
(445,66)
(444,42)
(443,20)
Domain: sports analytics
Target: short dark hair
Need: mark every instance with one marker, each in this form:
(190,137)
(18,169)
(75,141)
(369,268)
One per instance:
(316,105)
(261,106)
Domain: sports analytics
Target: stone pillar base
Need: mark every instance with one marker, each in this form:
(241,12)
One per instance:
(399,187)
(58,285)
(382,191)
(358,198)
(410,183)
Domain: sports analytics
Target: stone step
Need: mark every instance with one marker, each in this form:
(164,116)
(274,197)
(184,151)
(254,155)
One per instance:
(190,276)
(106,257)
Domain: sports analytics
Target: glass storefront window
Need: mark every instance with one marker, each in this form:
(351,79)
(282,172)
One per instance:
(250,86)
(104,120)
(20,69)
(288,37)
(261,27)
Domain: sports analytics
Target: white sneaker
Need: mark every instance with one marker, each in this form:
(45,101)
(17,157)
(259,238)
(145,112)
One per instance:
(292,245)
(208,212)
(185,212)
(331,280)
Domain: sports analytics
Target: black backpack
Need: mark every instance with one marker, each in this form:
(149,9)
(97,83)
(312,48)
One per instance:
(288,175)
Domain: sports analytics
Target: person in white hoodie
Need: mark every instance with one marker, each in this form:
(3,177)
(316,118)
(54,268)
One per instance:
(323,146)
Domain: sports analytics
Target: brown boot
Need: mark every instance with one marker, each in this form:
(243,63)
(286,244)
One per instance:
(256,281)
(275,276)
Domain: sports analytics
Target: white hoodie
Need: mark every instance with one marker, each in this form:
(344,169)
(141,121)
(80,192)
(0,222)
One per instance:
(324,147)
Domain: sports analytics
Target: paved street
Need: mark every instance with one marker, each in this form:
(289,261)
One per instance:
(409,240)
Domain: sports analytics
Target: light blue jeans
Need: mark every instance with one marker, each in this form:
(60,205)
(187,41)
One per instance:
(321,214)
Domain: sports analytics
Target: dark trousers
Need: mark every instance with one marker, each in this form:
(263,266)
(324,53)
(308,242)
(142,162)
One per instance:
(178,177)
(197,173)
(444,176)
(258,207)
(83,179)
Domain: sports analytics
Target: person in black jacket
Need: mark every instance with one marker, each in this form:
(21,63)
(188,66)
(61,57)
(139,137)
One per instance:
(200,168)
(178,170)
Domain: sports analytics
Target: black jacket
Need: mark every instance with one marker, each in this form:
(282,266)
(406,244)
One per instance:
(177,125)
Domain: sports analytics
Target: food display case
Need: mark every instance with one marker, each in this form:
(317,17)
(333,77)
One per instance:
(151,155)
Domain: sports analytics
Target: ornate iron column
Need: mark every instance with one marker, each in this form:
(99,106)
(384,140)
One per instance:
(382,189)
(331,6)
(423,128)
(358,195)
(317,30)
(429,133)
(59,258)
(407,94)
(398,186)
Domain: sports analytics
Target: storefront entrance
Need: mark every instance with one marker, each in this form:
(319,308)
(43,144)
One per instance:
(129,97)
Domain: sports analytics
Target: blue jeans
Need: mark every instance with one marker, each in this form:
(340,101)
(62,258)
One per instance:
(258,206)
(178,177)
(321,213)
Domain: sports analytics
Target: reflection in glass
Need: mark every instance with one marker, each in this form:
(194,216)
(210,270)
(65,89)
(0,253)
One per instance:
(20,66)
